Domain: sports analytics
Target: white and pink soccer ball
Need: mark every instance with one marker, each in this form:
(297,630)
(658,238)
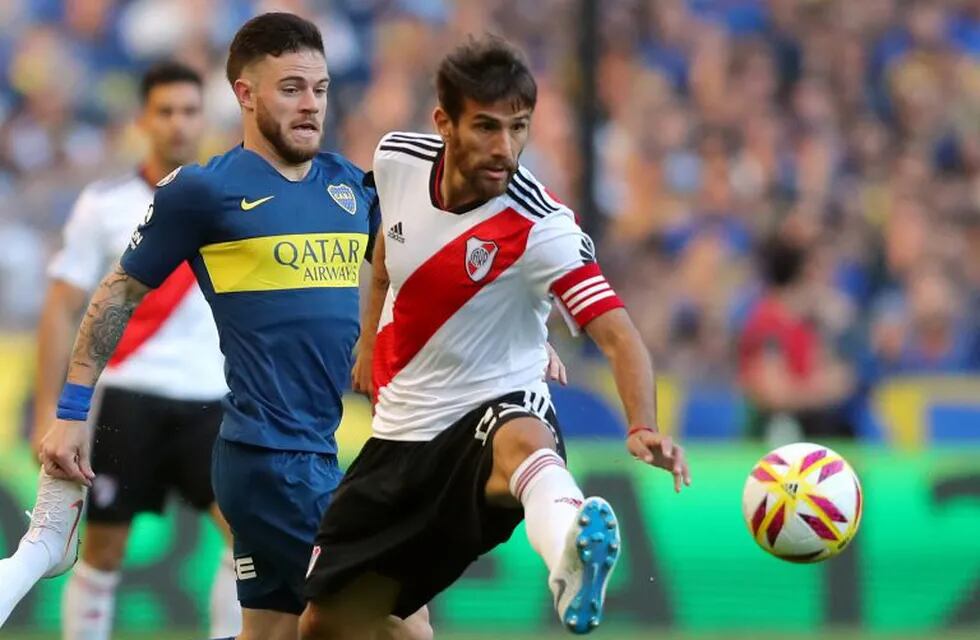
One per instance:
(802,503)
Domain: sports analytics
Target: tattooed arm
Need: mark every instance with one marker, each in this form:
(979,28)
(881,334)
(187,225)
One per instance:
(65,449)
(102,327)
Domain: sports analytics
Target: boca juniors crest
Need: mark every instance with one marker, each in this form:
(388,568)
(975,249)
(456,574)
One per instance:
(344,196)
(479,257)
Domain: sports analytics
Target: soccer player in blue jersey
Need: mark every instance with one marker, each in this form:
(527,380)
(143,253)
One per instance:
(275,233)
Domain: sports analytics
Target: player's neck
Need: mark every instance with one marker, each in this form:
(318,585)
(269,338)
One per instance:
(155,169)
(454,191)
(292,172)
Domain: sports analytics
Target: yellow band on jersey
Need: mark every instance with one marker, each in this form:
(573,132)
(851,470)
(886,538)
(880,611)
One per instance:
(297,261)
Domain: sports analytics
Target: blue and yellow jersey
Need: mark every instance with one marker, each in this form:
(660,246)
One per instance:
(278,262)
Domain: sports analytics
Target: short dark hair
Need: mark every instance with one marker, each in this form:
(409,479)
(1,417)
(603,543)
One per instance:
(484,70)
(270,34)
(781,261)
(167,72)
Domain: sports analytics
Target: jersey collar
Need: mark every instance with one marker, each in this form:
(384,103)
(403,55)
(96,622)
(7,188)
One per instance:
(435,192)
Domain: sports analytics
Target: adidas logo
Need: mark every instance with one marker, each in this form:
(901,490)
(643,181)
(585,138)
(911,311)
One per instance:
(395,233)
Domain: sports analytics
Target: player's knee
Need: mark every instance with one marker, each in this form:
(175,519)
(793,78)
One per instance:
(519,438)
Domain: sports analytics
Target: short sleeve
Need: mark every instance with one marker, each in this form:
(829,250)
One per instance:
(560,261)
(174,228)
(374,211)
(81,261)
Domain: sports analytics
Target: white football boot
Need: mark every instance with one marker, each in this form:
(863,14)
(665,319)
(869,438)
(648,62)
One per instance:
(55,519)
(579,581)
(50,546)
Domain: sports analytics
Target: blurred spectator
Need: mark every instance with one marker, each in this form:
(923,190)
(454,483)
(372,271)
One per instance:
(925,328)
(787,368)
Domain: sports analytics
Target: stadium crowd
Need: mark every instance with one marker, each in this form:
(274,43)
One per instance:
(847,130)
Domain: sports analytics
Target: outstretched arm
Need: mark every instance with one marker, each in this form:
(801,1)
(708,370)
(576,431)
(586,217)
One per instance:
(63,304)
(65,450)
(619,340)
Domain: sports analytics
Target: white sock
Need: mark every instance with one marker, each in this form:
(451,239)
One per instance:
(551,501)
(88,603)
(19,573)
(226,613)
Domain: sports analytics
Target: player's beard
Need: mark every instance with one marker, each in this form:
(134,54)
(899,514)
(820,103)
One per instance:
(272,131)
(478,185)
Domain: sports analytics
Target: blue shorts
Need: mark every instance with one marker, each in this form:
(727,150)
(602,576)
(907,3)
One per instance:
(274,501)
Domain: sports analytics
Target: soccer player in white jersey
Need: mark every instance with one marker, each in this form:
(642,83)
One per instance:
(472,254)
(159,408)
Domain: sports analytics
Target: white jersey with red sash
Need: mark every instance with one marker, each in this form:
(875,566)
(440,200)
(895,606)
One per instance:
(465,316)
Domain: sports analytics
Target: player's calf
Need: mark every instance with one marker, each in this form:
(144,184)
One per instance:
(514,443)
(578,539)
(525,453)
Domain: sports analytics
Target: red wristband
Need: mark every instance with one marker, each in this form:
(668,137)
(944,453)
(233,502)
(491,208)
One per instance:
(637,430)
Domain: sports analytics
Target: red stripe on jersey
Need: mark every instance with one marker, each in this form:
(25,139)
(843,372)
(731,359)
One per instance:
(439,288)
(585,294)
(153,311)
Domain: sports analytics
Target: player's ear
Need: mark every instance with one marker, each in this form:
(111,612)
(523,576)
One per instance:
(244,92)
(443,122)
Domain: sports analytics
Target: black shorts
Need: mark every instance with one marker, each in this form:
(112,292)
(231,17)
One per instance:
(145,446)
(416,512)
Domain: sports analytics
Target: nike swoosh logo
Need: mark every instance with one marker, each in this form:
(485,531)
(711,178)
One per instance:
(248,206)
(77,506)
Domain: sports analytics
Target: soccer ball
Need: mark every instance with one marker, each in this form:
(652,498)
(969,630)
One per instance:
(802,503)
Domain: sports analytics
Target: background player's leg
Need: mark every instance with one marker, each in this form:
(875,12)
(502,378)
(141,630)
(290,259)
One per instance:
(88,602)
(226,613)
(359,611)
(125,453)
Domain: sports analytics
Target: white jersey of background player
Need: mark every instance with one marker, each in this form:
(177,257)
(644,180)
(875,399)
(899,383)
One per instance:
(168,363)
(175,352)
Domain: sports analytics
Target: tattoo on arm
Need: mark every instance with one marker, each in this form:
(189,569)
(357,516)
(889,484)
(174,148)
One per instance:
(107,330)
(105,321)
